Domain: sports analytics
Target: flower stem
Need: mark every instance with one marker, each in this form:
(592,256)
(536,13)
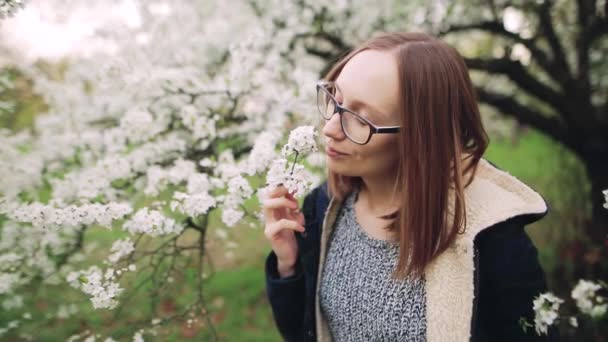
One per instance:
(294,164)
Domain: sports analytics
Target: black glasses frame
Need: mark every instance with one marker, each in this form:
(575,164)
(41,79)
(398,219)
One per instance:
(338,108)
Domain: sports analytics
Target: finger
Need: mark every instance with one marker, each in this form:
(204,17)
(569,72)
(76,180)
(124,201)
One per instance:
(290,195)
(300,218)
(281,202)
(278,191)
(274,228)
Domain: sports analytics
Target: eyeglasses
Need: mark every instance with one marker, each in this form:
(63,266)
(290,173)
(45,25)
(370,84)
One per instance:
(355,127)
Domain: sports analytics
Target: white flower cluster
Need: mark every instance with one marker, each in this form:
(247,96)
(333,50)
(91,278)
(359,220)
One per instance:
(120,249)
(93,181)
(301,140)
(152,222)
(47,216)
(14,302)
(201,126)
(98,284)
(263,152)
(182,170)
(8,281)
(294,177)
(192,204)
(605,192)
(140,125)
(238,191)
(545,306)
(587,300)
(9,7)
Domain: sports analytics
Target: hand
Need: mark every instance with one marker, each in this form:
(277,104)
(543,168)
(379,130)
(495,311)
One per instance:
(282,218)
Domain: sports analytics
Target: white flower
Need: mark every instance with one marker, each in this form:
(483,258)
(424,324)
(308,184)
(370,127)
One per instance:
(605,192)
(231,216)
(545,307)
(120,248)
(140,125)
(239,186)
(98,284)
(65,311)
(12,302)
(192,204)
(301,140)
(585,295)
(8,281)
(573,322)
(263,152)
(297,182)
(151,222)
(138,337)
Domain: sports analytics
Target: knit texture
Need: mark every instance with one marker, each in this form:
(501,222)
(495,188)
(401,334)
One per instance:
(358,297)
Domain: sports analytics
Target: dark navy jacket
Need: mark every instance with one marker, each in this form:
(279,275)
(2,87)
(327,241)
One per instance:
(507,277)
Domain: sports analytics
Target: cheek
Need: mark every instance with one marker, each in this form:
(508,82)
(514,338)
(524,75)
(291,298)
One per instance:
(382,151)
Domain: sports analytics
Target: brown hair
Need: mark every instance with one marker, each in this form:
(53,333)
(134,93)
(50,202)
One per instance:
(441,129)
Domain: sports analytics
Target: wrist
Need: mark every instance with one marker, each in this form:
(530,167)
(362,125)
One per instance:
(286,269)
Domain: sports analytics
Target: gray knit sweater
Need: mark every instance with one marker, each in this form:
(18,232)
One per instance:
(358,298)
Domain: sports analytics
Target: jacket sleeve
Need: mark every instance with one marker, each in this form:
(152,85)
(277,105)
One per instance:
(511,276)
(287,299)
(287,296)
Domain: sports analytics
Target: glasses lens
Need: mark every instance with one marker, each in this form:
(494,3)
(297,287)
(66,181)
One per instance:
(325,103)
(355,128)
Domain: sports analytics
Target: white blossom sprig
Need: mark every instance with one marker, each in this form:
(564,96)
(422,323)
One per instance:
(295,177)
(588,300)
(546,306)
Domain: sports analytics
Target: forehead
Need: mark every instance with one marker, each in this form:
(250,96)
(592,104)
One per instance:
(371,77)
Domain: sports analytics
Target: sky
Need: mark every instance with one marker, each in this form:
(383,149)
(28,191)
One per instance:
(52,29)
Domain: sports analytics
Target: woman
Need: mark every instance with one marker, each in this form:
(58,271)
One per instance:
(414,236)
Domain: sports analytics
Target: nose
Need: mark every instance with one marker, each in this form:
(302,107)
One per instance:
(333,129)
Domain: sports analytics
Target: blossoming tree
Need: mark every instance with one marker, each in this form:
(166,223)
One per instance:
(162,141)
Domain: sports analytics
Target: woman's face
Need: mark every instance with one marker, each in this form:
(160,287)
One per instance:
(369,86)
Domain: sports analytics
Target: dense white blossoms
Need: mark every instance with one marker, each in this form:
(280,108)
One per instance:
(120,249)
(587,299)
(98,284)
(301,140)
(9,7)
(605,192)
(47,216)
(192,204)
(151,222)
(295,177)
(546,307)
(263,152)
(140,125)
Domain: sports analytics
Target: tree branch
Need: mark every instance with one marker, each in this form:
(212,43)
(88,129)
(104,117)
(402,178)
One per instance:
(546,25)
(509,106)
(518,74)
(497,27)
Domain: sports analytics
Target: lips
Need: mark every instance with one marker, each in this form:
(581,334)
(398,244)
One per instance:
(332,151)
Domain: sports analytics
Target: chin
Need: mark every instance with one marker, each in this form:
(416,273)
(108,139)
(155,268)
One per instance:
(344,169)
